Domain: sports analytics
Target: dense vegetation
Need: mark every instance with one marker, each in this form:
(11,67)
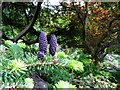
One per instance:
(70,45)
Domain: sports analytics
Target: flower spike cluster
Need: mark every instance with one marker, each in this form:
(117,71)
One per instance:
(43,45)
(43,42)
(53,45)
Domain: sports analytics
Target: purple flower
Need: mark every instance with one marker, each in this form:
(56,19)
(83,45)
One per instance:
(53,45)
(40,55)
(43,42)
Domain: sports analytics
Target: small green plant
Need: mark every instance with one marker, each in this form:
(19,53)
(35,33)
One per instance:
(60,55)
(22,45)
(17,66)
(64,84)
(76,65)
(8,43)
(29,83)
(15,51)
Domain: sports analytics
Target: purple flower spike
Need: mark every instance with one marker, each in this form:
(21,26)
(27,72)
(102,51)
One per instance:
(40,55)
(53,45)
(43,42)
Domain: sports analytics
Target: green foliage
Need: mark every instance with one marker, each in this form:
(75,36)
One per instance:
(17,69)
(22,45)
(116,73)
(17,66)
(97,81)
(15,51)
(76,65)
(60,55)
(64,84)
(63,22)
(84,58)
(8,43)
(13,69)
(29,83)
(52,75)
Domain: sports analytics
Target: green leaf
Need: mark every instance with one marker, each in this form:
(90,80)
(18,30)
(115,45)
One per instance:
(76,65)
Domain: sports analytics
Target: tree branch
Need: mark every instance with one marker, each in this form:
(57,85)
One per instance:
(86,11)
(106,34)
(78,14)
(28,27)
(111,22)
(97,49)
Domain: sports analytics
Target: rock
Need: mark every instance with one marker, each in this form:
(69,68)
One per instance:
(42,85)
(39,83)
(113,61)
